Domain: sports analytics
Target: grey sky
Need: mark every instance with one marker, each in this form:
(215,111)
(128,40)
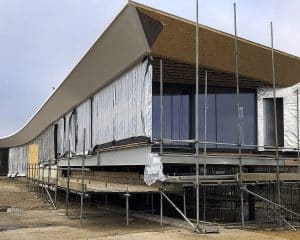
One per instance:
(41,41)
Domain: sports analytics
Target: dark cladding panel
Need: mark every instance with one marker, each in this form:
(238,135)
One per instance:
(3,162)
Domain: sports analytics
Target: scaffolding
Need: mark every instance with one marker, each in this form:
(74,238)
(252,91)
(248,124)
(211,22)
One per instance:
(207,180)
(211,188)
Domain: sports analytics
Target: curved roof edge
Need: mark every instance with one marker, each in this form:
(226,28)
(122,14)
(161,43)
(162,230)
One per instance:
(119,46)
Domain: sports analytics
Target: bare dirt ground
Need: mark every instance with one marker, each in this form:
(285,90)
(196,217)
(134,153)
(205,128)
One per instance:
(30,218)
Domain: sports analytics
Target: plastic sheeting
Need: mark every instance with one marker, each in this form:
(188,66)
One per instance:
(46,145)
(153,171)
(60,136)
(289,96)
(17,161)
(83,118)
(70,132)
(123,109)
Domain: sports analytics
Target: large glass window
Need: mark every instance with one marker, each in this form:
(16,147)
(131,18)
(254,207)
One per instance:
(222,117)
(176,112)
(227,118)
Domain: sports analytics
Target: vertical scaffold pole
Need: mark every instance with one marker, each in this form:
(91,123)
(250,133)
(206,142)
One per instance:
(38,178)
(82,177)
(197,116)
(298,131)
(49,172)
(238,113)
(205,146)
(43,178)
(127,195)
(68,181)
(161,92)
(27,176)
(184,202)
(161,207)
(275,115)
(56,183)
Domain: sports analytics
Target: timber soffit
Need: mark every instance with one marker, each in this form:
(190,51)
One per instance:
(176,41)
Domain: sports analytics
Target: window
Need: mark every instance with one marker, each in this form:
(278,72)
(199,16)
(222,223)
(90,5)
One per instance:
(269,122)
(222,117)
(227,118)
(175,117)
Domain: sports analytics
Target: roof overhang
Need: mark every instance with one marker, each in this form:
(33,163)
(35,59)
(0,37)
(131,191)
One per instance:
(176,41)
(121,45)
(138,31)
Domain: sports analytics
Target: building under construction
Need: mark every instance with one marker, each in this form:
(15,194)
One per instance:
(176,117)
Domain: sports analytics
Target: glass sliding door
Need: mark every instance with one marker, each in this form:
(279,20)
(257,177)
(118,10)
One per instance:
(222,118)
(176,113)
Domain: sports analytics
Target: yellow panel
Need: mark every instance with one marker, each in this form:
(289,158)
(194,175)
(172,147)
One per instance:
(33,154)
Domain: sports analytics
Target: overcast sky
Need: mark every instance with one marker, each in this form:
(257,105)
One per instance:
(41,41)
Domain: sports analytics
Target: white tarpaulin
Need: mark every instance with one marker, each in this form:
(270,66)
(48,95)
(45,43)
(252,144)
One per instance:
(153,171)
(123,109)
(289,96)
(60,137)
(17,161)
(46,145)
(83,118)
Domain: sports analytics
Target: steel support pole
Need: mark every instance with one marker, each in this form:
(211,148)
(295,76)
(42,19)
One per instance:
(31,178)
(152,203)
(205,145)
(298,131)
(184,203)
(161,92)
(178,210)
(43,176)
(38,179)
(27,176)
(82,177)
(161,208)
(197,116)
(56,182)
(68,182)
(49,172)
(127,195)
(238,111)
(275,115)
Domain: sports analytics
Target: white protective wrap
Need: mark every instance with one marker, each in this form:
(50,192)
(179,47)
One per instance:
(289,96)
(123,109)
(46,145)
(17,161)
(60,137)
(70,131)
(83,122)
(153,171)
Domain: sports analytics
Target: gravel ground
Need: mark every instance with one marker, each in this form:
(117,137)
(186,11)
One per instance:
(30,218)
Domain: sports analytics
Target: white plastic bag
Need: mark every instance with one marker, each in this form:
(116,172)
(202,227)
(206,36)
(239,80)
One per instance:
(154,170)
